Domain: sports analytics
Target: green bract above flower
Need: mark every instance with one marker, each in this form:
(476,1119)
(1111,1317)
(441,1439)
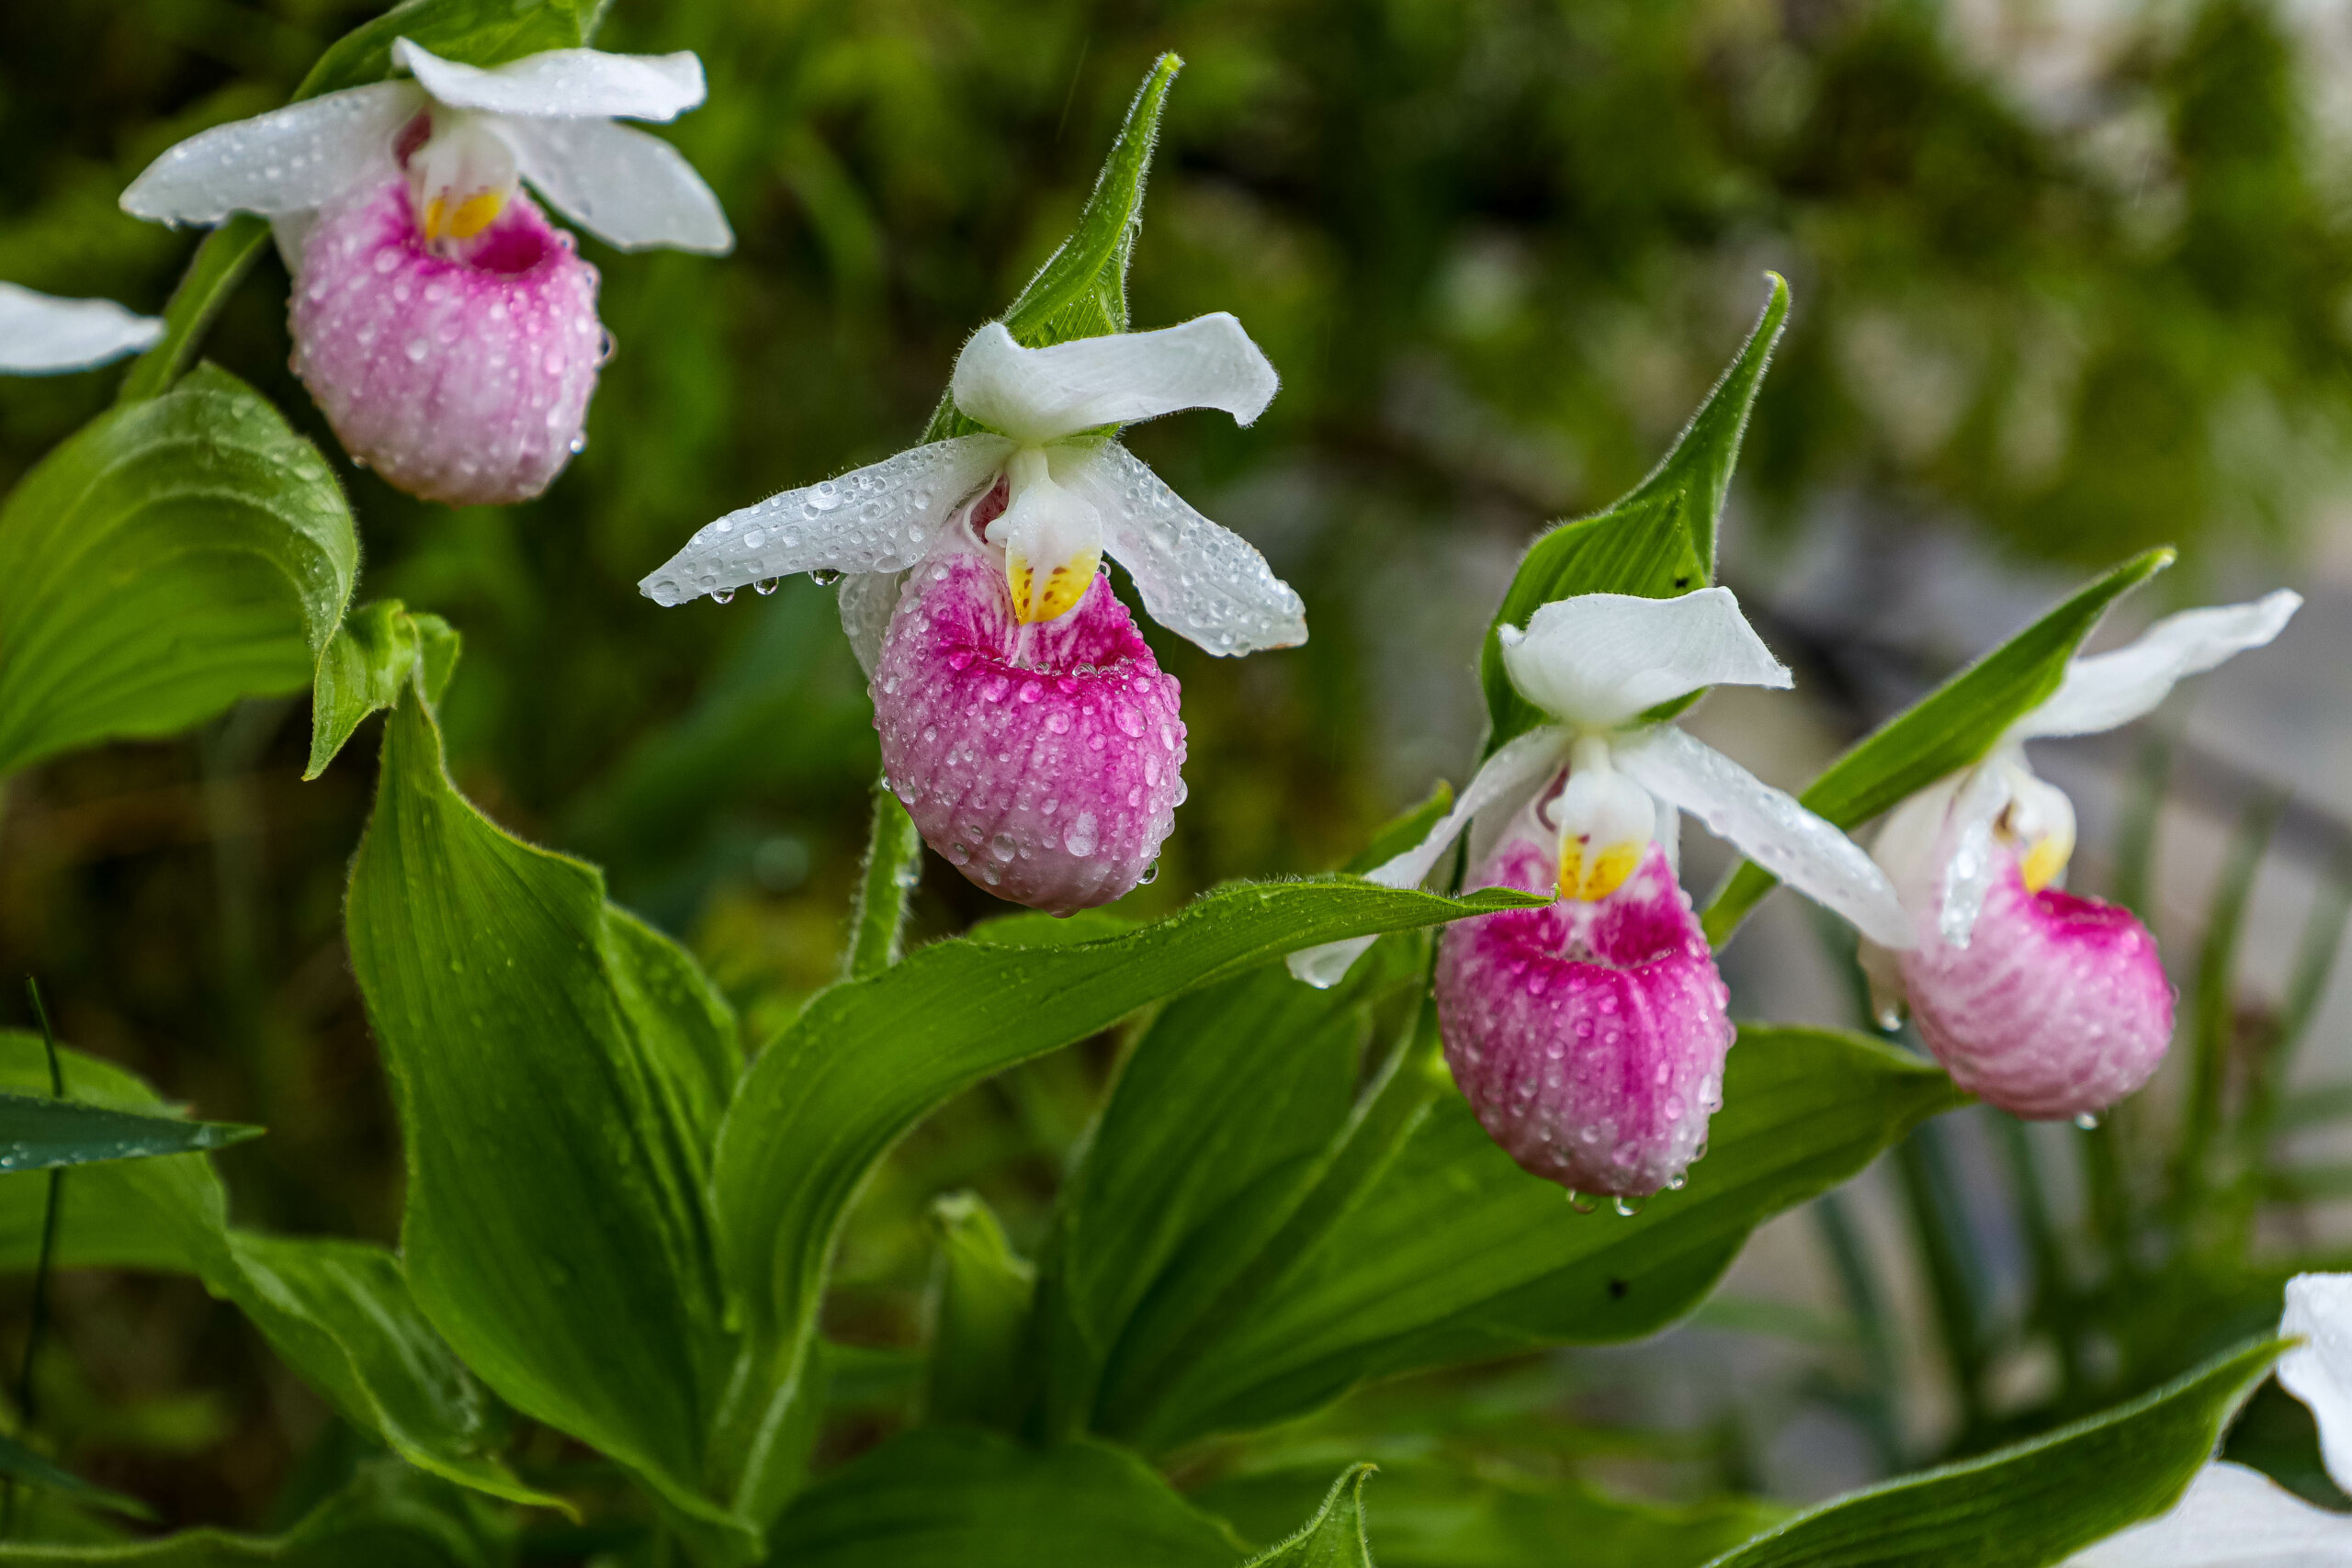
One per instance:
(43,335)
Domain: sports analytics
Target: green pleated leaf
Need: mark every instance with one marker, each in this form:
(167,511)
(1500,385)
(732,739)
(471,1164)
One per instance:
(2035,1504)
(1334,1538)
(31,1468)
(979,1308)
(1949,728)
(1432,1248)
(170,557)
(950,1498)
(374,652)
(389,1516)
(559,1067)
(1657,541)
(869,1058)
(1081,291)
(339,1311)
(38,1132)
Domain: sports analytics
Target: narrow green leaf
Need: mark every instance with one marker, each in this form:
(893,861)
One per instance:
(979,1307)
(2212,1033)
(1948,730)
(31,1468)
(1334,1538)
(1081,291)
(220,263)
(559,1069)
(38,1132)
(893,866)
(950,1498)
(869,1058)
(1446,1252)
(2035,1504)
(170,557)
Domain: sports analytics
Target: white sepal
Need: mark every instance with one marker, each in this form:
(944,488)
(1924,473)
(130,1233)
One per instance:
(868,600)
(629,189)
(1769,827)
(2108,690)
(41,335)
(1044,394)
(288,161)
(1527,760)
(1599,659)
(2230,1518)
(1201,580)
(1969,826)
(565,84)
(882,518)
(2319,1370)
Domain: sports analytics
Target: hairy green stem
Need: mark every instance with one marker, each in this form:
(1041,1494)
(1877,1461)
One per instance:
(893,866)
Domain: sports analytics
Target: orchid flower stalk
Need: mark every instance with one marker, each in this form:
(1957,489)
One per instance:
(447,328)
(2047,1004)
(43,335)
(1589,1035)
(1025,725)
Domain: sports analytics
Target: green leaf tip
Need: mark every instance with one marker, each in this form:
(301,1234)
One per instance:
(1334,1538)
(378,649)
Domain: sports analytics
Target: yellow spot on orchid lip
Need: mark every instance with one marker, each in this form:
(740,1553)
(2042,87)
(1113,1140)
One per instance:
(1056,596)
(466,218)
(2043,862)
(1587,879)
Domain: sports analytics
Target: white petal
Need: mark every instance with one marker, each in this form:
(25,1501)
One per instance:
(1510,772)
(868,601)
(628,188)
(566,84)
(2230,1518)
(1043,394)
(41,333)
(2108,690)
(883,518)
(1769,827)
(2319,1371)
(1969,871)
(289,160)
(1200,580)
(1600,659)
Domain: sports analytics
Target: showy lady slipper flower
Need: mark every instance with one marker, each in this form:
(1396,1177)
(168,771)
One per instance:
(2044,1003)
(447,329)
(1589,1035)
(1034,739)
(43,335)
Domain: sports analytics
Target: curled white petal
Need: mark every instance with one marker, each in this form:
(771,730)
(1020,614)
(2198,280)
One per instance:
(41,335)
(1600,659)
(1970,870)
(631,189)
(1508,773)
(867,600)
(288,161)
(1769,827)
(1043,394)
(2107,690)
(2319,1370)
(1199,580)
(883,518)
(567,83)
(2230,1518)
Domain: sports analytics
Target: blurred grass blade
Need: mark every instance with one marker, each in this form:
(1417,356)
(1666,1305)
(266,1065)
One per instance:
(21,1464)
(1945,731)
(2213,1038)
(978,1309)
(869,1058)
(169,558)
(2316,958)
(2137,827)
(2033,1505)
(38,1132)
(949,1495)
(1334,1538)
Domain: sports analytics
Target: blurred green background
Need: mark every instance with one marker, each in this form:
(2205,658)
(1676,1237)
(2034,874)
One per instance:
(2070,279)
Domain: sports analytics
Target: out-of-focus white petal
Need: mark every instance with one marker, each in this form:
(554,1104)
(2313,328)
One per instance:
(1970,871)
(289,160)
(628,188)
(868,600)
(563,83)
(1043,394)
(1769,827)
(1527,760)
(41,335)
(2319,1370)
(2230,1518)
(2107,690)
(883,518)
(1200,580)
(1600,659)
